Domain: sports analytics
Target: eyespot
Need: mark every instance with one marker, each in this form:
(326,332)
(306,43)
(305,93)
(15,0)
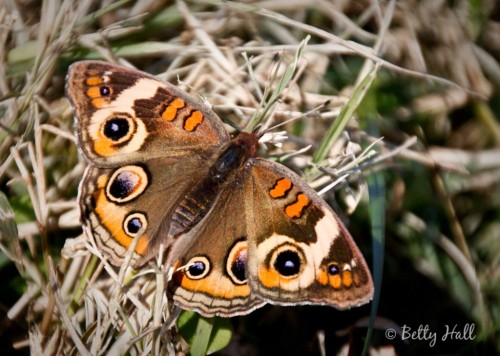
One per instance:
(117,128)
(127,183)
(333,269)
(197,267)
(287,263)
(135,223)
(236,262)
(105,91)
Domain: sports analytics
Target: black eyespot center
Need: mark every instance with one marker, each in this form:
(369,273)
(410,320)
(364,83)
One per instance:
(333,269)
(238,268)
(116,128)
(123,185)
(134,225)
(197,268)
(288,263)
(236,262)
(105,91)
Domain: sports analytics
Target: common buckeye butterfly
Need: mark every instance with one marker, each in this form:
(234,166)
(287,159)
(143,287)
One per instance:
(240,231)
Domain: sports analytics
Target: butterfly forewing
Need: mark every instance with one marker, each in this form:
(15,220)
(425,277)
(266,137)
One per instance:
(123,115)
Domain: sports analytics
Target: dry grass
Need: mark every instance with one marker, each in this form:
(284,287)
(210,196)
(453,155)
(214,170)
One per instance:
(440,155)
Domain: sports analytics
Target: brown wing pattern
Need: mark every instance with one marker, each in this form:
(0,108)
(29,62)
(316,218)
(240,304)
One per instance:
(299,251)
(210,261)
(118,204)
(123,115)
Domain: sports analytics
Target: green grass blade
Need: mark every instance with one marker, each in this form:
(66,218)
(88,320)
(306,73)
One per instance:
(205,335)
(345,115)
(199,347)
(260,115)
(376,190)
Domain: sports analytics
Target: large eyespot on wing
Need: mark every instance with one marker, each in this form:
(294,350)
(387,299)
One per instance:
(299,251)
(124,114)
(107,218)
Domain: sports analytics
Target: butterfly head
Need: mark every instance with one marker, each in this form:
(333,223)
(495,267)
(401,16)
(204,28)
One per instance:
(234,155)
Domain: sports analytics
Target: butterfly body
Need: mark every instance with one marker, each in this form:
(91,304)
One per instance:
(240,231)
(223,172)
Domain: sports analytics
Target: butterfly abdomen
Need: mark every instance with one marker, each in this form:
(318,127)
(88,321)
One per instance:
(192,208)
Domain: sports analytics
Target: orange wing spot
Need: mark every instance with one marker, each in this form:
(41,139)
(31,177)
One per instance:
(112,218)
(176,266)
(322,277)
(347,278)
(296,209)
(103,147)
(170,113)
(357,279)
(335,281)
(268,278)
(101,181)
(280,189)
(212,285)
(99,102)
(193,121)
(93,73)
(94,92)
(142,245)
(92,81)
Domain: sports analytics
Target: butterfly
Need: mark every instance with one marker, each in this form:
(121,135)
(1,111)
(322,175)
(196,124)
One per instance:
(239,231)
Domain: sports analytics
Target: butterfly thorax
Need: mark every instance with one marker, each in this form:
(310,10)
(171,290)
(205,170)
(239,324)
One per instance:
(198,201)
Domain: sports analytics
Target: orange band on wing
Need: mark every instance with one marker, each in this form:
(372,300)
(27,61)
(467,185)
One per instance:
(142,245)
(193,121)
(92,81)
(170,113)
(104,146)
(347,278)
(281,188)
(112,217)
(269,278)
(94,92)
(215,287)
(296,209)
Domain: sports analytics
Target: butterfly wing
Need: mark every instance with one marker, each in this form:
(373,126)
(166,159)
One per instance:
(147,143)
(134,201)
(210,261)
(272,239)
(298,250)
(124,115)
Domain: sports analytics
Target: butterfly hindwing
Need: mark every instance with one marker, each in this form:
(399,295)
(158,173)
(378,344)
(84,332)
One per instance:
(211,261)
(134,200)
